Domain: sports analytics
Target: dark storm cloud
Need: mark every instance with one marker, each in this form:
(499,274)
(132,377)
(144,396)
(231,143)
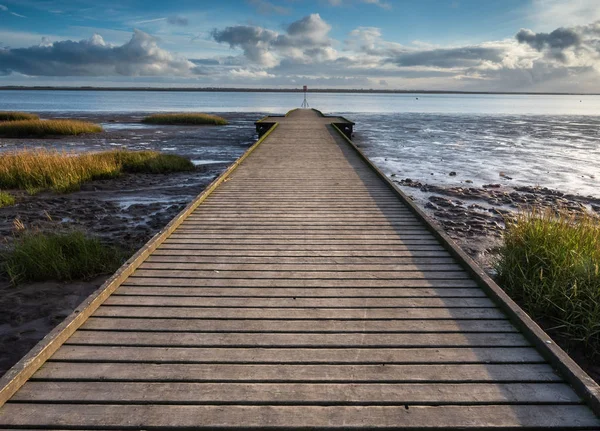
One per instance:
(141,56)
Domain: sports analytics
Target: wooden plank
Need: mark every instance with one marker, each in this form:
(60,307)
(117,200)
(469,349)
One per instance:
(431,251)
(283,267)
(240,325)
(316,249)
(291,292)
(565,417)
(73,371)
(290,229)
(295,302)
(244,282)
(312,236)
(357,262)
(303,250)
(381,340)
(160,393)
(320,275)
(300,313)
(265,355)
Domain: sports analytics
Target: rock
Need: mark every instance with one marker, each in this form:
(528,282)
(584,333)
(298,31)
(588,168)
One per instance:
(491,186)
(452,174)
(468,181)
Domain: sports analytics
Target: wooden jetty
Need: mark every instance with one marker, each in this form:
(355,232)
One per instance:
(301,290)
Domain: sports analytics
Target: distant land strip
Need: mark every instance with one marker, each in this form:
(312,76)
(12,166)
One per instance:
(286,90)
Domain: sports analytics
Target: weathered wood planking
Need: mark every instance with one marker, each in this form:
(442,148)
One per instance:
(304,292)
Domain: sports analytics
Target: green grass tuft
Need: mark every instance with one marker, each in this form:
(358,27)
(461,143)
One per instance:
(191,118)
(550,263)
(17,116)
(41,128)
(6,199)
(59,256)
(63,172)
(151,162)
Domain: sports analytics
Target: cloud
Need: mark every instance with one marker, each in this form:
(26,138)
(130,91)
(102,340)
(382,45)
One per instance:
(304,40)
(560,38)
(3,8)
(254,41)
(146,21)
(560,59)
(449,57)
(578,46)
(267,8)
(140,56)
(178,20)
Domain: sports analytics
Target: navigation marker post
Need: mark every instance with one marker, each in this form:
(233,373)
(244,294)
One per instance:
(305,103)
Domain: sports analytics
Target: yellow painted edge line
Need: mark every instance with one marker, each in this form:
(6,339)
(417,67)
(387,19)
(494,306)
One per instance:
(32,361)
(581,382)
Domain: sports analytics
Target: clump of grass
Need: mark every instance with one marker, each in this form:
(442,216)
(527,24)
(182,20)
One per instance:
(550,263)
(150,162)
(41,128)
(191,118)
(36,170)
(6,199)
(17,116)
(39,256)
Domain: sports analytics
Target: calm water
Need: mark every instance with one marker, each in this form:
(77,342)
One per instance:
(550,141)
(142,101)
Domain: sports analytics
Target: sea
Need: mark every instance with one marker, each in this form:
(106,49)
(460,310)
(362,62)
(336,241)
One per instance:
(514,140)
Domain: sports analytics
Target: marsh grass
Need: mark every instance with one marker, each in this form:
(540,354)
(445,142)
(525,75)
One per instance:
(38,256)
(550,264)
(6,199)
(37,170)
(41,128)
(17,116)
(191,118)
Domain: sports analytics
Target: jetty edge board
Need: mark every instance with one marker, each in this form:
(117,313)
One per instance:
(196,341)
(18,374)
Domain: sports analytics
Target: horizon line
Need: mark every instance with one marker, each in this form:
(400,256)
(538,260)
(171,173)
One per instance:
(282,90)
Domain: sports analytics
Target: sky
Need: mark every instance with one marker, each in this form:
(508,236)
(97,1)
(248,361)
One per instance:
(465,45)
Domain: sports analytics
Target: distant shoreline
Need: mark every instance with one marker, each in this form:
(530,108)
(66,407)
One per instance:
(285,90)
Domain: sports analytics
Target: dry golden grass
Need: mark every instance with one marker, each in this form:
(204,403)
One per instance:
(36,170)
(41,128)
(185,118)
(16,116)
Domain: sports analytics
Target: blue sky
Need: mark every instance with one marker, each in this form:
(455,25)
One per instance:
(508,45)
